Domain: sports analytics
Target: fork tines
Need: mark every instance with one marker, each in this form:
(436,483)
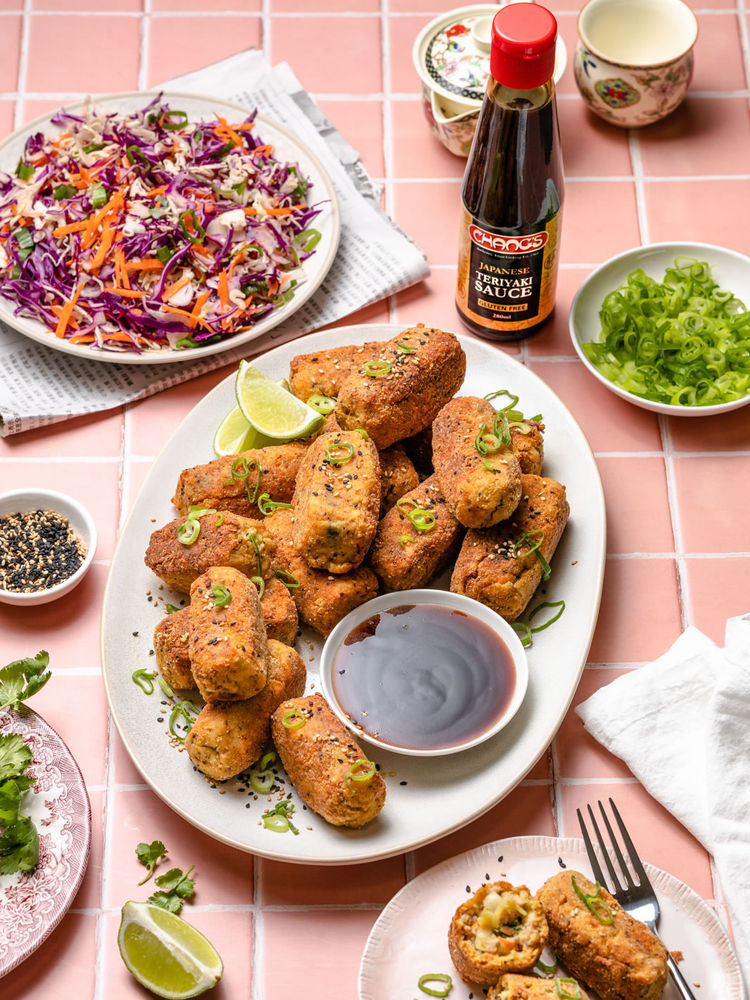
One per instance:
(614,884)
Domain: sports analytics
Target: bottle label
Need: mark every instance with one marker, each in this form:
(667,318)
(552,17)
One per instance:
(506,283)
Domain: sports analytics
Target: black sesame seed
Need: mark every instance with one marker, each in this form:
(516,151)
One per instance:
(38,550)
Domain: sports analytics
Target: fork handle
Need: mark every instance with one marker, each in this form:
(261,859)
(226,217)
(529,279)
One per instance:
(679,980)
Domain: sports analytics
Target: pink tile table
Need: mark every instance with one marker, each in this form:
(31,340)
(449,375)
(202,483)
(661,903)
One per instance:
(671,486)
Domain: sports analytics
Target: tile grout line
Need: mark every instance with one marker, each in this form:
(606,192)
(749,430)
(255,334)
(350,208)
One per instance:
(23,60)
(145,44)
(387,121)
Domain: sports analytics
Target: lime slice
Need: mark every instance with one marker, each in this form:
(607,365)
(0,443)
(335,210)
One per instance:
(272,410)
(234,434)
(165,953)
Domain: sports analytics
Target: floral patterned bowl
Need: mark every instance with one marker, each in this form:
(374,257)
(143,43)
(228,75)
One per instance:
(634,59)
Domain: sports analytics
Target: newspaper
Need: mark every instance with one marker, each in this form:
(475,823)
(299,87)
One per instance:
(39,385)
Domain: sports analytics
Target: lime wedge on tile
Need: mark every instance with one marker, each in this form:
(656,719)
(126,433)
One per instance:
(165,953)
(271,409)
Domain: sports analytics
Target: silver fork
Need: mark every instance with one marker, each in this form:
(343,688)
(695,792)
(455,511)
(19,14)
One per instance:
(638,899)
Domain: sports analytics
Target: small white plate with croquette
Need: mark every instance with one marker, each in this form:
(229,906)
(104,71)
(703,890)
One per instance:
(426,797)
(410,938)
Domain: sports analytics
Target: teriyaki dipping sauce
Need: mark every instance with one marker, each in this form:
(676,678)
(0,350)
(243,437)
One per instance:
(424,677)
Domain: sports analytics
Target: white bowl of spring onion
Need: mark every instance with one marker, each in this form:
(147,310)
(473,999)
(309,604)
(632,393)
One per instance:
(667,326)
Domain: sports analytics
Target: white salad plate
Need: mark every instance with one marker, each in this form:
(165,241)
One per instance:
(286,147)
(426,797)
(731,271)
(32,905)
(410,937)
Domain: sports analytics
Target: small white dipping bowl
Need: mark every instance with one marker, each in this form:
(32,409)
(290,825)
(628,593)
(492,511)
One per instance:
(731,270)
(22,501)
(443,599)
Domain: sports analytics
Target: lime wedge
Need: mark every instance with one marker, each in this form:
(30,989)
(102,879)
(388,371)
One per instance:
(165,953)
(234,434)
(271,409)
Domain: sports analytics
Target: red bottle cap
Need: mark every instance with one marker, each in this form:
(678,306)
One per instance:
(523,46)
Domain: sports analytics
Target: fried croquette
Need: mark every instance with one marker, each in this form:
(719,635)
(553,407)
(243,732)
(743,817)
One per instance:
(224,539)
(228,645)
(400,391)
(397,476)
(501,566)
(403,557)
(336,501)
(229,736)
(172,648)
(328,769)
(322,598)
(419,449)
(500,929)
(279,612)
(235,482)
(515,987)
(323,372)
(614,954)
(527,440)
(479,475)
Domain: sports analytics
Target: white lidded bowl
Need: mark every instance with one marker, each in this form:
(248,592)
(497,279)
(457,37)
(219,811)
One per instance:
(24,500)
(440,598)
(451,54)
(731,271)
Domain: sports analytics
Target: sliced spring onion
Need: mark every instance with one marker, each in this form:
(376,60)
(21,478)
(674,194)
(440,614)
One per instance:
(376,368)
(98,196)
(594,902)
(133,153)
(423,520)
(522,426)
(188,531)
(523,632)
(323,404)
(278,819)
(504,392)
(196,511)
(362,431)
(63,191)
(543,967)
(307,240)
(166,688)
(562,987)
(171,608)
(144,679)
(525,538)
(500,428)
(241,469)
(186,713)
(288,579)
(550,621)
(355,772)
(340,453)
(219,520)
(267,506)
(173,120)
(25,243)
(486,443)
(195,233)
(260,583)
(404,540)
(293,719)
(252,538)
(262,778)
(221,595)
(405,349)
(682,341)
(435,977)
(24,171)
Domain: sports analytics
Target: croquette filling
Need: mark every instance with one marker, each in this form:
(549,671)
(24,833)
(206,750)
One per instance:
(500,920)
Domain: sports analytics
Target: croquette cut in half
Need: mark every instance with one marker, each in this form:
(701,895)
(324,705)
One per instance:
(614,954)
(500,929)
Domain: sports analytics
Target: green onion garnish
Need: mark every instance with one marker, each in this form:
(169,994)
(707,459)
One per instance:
(550,621)
(63,191)
(260,583)
(219,520)
(188,531)
(166,688)
(405,349)
(323,404)
(404,540)
(221,595)
(98,196)
(562,990)
(277,819)
(262,778)
(186,712)
(523,632)
(241,469)
(170,608)
(293,719)
(267,506)
(25,243)
(340,452)
(144,679)
(307,240)
(288,579)
(362,431)
(543,967)
(534,547)
(24,171)
(435,977)
(251,537)
(504,392)
(133,153)
(682,341)
(598,906)
(173,120)
(196,510)
(355,772)
(197,233)
(376,368)
(423,520)
(500,428)
(485,443)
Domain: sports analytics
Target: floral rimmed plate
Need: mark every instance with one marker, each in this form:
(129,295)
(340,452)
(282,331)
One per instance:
(410,937)
(31,906)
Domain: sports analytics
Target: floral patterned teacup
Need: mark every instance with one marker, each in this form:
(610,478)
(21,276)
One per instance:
(634,59)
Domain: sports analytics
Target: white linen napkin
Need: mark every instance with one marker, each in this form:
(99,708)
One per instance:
(682,725)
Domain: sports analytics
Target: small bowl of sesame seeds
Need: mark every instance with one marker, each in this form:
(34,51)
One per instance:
(47,544)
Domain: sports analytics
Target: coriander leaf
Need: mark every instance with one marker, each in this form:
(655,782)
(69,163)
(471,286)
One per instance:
(19,847)
(10,800)
(15,756)
(149,855)
(175,881)
(22,678)
(167,901)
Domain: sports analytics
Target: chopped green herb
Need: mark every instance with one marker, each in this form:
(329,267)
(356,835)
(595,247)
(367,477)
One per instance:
(150,855)
(21,679)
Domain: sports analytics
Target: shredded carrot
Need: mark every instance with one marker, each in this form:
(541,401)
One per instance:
(73,227)
(145,264)
(199,303)
(228,130)
(174,288)
(121,271)
(104,246)
(66,312)
(261,150)
(250,211)
(235,260)
(155,192)
(283,211)
(127,293)
(82,338)
(58,310)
